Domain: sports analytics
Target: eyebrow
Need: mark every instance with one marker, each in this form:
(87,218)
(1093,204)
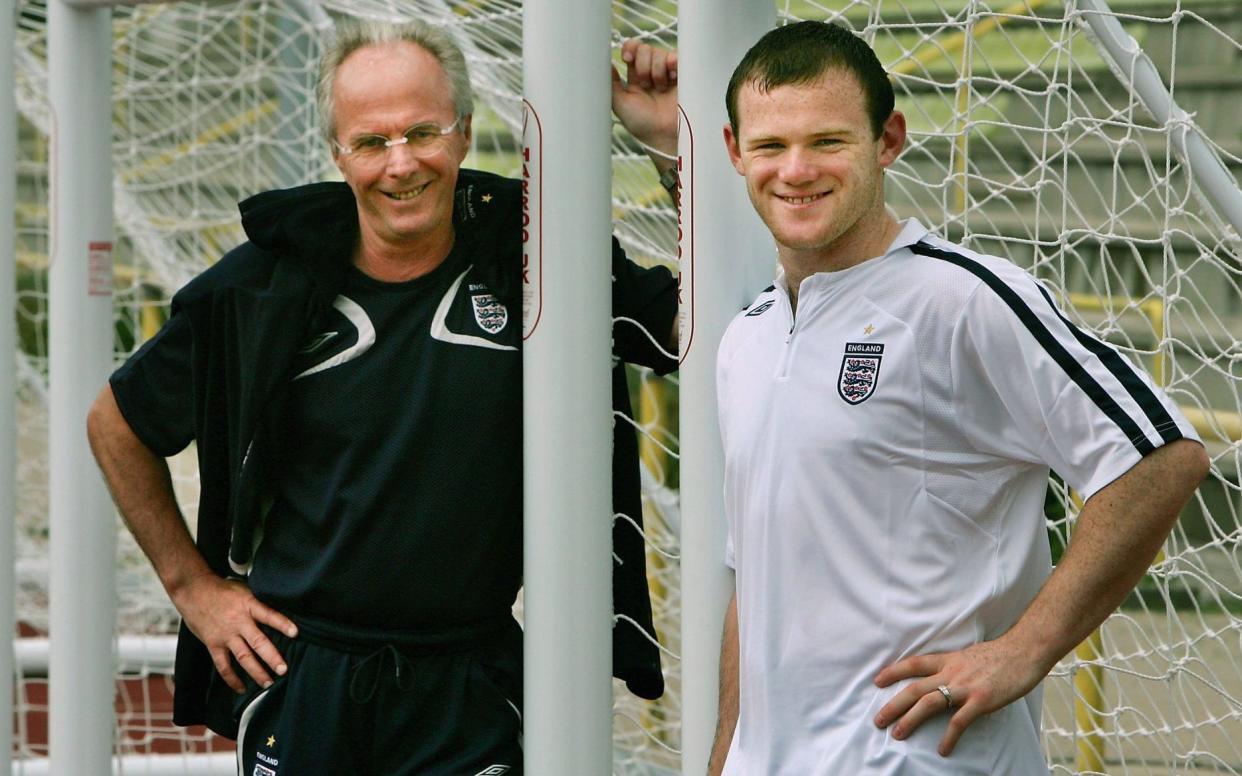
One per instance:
(759,139)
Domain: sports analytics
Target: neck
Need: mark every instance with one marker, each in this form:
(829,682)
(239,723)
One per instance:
(868,238)
(394,262)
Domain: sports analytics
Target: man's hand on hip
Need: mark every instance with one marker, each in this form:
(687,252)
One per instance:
(976,681)
(1115,538)
(225,616)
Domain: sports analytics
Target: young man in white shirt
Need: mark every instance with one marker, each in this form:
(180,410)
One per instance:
(890,409)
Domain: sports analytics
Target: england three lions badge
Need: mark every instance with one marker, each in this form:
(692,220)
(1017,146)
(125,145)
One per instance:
(860,371)
(492,316)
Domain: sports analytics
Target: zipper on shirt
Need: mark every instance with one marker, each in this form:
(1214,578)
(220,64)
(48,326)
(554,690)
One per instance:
(787,349)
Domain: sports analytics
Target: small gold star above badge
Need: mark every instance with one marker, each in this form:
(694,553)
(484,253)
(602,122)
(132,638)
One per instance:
(486,198)
(271,741)
(869,329)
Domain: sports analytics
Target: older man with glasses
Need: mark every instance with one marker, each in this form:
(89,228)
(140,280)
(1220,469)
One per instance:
(352,378)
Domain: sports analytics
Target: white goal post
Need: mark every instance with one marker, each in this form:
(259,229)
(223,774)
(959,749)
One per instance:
(80,520)
(567,580)
(8,366)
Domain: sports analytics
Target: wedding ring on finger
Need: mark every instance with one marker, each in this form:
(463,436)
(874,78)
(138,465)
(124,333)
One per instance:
(948,696)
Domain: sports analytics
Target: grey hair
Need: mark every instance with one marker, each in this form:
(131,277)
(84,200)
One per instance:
(353,34)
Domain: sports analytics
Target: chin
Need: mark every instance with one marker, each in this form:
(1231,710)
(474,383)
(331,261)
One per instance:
(808,231)
(409,216)
(409,230)
(800,241)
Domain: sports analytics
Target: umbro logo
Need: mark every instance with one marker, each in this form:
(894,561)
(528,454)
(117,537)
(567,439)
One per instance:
(493,770)
(316,342)
(366,338)
(761,309)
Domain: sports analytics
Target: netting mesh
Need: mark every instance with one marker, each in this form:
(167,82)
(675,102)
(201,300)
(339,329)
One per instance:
(1023,143)
(213,102)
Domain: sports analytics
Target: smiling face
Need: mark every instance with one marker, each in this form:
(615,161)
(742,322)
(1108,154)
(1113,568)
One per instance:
(814,170)
(404,201)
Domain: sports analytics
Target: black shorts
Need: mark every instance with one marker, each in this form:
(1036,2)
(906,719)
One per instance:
(386,711)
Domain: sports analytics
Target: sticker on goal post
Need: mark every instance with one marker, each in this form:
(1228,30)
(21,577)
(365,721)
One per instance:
(684,198)
(532,220)
(99,269)
(684,236)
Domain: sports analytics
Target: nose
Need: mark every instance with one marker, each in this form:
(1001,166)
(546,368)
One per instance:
(797,167)
(400,161)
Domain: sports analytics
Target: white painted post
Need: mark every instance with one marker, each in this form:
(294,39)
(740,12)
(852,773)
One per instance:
(723,245)
(83,528)
(8,370)
(567,416)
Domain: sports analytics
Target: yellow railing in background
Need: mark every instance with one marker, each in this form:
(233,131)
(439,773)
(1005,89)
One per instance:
(652,410)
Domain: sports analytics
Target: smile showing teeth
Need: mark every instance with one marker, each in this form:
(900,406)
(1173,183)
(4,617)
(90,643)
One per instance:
(802,200)
(404,195)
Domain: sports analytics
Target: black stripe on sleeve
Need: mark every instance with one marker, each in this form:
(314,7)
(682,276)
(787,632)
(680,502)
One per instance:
(1055,349)
(1134,385)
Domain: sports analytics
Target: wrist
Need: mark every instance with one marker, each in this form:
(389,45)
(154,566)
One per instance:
(661,149)
(1037,645)
(178,583)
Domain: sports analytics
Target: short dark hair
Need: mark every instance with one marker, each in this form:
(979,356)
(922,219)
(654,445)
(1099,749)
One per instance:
(802,52)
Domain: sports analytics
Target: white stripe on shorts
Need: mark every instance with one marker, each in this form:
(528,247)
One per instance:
(249,711)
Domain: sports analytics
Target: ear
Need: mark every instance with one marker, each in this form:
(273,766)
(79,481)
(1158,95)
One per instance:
(466,129)
(892,138)
(336,156)
(735,151)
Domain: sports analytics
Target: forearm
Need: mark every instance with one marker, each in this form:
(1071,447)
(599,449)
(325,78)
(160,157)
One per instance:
(223,614)
(1115,538)
(142,489)
(727,719)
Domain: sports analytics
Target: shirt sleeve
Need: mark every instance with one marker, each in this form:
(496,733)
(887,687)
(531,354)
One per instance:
(1029,384)
(644,307)
(154,389)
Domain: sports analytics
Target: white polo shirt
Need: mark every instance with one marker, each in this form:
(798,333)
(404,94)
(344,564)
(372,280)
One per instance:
(886,460)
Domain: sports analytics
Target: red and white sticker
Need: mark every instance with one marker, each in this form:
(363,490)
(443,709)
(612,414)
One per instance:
(99,268)
(532,221)
(685,238)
